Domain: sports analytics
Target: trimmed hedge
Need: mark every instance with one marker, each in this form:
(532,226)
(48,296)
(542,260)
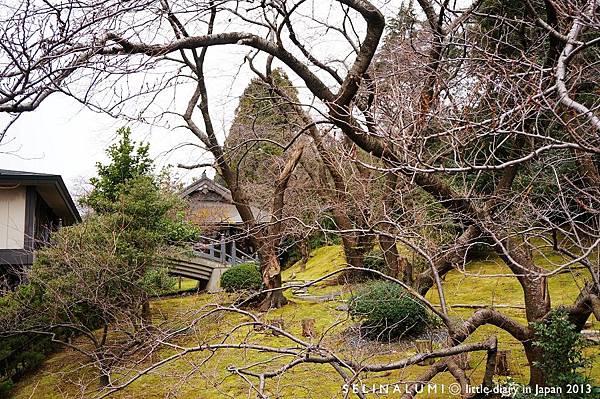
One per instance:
(387,311)
(242,277)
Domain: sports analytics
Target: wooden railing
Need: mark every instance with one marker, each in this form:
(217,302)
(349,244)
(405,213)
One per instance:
(222,251)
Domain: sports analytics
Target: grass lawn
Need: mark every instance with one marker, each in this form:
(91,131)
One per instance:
(205,375)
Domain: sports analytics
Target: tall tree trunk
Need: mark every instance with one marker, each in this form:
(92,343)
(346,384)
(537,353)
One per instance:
(390,255)
(354,254)
(104,376)
(387,242)
(397,265)
(270,266)
(355,244)
(146,312)
(352,241)
(304,253)
(537,298)
(534,355)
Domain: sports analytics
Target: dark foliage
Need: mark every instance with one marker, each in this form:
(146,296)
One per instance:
(387,311)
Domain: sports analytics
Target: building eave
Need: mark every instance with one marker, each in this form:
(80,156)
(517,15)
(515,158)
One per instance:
(39,180)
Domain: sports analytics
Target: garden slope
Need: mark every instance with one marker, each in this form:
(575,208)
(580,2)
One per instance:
(65,372)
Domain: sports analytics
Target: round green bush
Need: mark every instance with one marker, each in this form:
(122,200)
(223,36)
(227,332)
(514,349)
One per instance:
(387,311)
(242,277)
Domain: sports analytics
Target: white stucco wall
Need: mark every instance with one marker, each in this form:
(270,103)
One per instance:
(12,217)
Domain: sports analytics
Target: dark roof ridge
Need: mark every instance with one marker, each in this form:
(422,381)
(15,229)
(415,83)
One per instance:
(24,173)
(205,180)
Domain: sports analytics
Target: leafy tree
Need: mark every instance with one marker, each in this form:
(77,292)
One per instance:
(116,187)
(96,278)
(261,120)
(404,23)
(126,163)
(563,358)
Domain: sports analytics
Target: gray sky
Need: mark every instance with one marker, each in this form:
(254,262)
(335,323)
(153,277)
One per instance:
(63,137)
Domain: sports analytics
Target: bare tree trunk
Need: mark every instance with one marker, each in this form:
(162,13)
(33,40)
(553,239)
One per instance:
(304,253)
(104,379)
(537,299)
(534,354)
(406,269)
(146,312)
(354,243)
(354,254)
(270,266)
(390,255)
(397,265)
(586,304)
(355,246)
(271,274)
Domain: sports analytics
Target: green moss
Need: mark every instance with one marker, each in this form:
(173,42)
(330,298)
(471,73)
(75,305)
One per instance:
(321,261)
(61,374)
(183,284)
(187,284)
(476,287)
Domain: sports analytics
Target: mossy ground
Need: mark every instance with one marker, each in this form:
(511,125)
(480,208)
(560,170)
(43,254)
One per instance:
(205,374)
(321,261)
(185,284)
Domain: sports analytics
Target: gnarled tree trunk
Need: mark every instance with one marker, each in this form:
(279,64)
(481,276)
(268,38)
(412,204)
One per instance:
(537,299)
(270,267)
(271,274)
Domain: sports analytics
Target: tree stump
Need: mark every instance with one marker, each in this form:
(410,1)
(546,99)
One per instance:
(424,346)
(308,328)
(502,364)
(279,323)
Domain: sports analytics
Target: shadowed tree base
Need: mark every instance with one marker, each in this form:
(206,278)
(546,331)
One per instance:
(273,300)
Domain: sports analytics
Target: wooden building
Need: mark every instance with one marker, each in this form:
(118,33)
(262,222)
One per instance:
(31,206)
(213,208)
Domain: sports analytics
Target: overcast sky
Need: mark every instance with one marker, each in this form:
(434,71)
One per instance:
(63,137)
